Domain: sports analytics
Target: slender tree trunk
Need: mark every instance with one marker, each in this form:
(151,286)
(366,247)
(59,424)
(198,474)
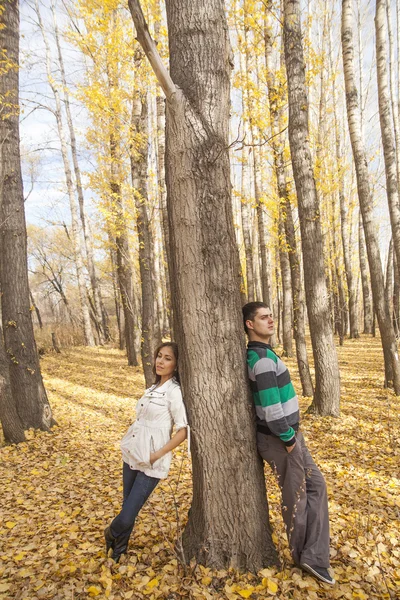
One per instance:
(124,263)
(392,367)
(369,313)
(138,157)
(228,524)
(163,202)
(27,389)
(286,291)
(76,238)
(37,311)
(366,288)
(327,383)
(246,226)
(97,301)
(389,283)
(344,224)
(278,146)
(396,298)
(386,122)
(392,78)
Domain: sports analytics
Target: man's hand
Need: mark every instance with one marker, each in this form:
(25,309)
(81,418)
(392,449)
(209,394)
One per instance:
(290,448)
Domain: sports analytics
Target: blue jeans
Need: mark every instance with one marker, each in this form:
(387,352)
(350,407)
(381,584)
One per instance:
(137,489)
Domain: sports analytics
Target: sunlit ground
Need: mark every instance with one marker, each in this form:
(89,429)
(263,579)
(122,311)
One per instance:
(59,490)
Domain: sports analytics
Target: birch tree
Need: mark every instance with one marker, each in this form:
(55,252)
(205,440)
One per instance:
(327,385)
(392,366)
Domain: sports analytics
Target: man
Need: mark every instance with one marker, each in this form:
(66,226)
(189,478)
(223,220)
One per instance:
(281,444)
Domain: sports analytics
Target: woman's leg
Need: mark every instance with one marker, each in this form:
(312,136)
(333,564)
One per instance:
(122,525)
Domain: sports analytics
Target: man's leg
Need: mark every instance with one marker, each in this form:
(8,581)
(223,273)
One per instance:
(289,470)
(316,548)
(122,525)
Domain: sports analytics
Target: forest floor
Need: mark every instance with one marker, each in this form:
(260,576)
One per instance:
(59,490)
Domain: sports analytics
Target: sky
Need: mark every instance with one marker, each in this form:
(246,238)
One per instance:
(47,201)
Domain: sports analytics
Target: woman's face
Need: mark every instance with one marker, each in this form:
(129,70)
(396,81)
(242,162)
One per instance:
(165,362)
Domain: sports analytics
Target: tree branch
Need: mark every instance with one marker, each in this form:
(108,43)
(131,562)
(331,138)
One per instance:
(146,41)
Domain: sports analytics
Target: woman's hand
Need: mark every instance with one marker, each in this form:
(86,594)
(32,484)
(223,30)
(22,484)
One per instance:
(177,439)
(155,456)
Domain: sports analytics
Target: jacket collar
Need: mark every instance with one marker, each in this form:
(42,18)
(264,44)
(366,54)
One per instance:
(259,345)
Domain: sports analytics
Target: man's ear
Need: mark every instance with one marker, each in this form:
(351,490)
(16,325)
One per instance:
(249,324)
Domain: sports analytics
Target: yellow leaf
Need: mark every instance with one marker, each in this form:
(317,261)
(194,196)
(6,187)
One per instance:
(206,580)
(10,524)
(19,556)
(152,583)
(35,472)
(360,595)
(272,586)
(128,595)
(245,593)
(94,590)
(4,587)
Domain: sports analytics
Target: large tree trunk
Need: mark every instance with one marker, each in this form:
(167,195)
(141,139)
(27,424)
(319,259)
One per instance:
(11,423)
(228,522)
(392,365)
(327,382)
(138,157)
(386,122)
(75,229)
(28,392)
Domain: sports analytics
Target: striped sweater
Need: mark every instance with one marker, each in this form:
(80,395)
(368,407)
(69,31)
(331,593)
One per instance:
(277,405)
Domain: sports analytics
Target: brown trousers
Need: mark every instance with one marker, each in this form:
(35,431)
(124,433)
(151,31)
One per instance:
(304,498)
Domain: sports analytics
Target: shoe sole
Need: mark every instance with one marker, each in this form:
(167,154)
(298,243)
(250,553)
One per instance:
(317,575)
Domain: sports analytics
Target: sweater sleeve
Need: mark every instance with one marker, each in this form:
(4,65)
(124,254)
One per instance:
(268,401)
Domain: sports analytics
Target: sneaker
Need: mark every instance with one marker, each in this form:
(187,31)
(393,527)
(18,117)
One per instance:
(319,572)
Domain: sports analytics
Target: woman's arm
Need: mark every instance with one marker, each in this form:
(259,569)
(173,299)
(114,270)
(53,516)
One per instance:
(176,439)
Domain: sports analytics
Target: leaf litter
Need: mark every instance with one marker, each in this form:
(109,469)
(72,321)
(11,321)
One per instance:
(60,489)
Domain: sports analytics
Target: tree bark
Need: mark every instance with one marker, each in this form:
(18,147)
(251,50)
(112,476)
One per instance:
(392,78)
(392,367)
(11,423)
(276,99)
(28,392)
(344,224)
(228,523)
(389,282)
(327,382)
(365,282)
(386,122)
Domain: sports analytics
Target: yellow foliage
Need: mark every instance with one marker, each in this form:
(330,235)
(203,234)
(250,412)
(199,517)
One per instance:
(60,489)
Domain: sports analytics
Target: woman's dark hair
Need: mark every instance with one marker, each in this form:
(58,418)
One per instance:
(174,347)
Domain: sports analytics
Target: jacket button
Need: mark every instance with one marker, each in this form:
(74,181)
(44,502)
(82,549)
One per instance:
(141,405)
(133,435)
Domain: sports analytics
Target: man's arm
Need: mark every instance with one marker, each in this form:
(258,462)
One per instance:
(268,401)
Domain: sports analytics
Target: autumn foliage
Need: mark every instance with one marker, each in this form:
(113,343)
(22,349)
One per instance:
(59,489)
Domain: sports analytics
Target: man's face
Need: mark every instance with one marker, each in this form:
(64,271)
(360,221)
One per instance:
(263,324)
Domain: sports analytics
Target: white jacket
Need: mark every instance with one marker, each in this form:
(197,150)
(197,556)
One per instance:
(157,411)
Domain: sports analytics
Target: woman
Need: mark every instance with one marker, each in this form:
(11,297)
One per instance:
(146,447)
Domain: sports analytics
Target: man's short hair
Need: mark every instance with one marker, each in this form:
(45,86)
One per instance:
(249,311)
